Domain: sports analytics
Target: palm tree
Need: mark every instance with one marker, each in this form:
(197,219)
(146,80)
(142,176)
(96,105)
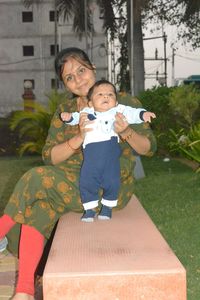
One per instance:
(76,10)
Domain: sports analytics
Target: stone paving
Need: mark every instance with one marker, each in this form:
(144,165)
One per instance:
(8,275)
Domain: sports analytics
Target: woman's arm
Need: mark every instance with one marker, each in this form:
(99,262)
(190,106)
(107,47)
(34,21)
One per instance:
(140,137)
(138,142)
(63,151)
(59,144)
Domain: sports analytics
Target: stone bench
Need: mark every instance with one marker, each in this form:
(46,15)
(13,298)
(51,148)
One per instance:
(121,259)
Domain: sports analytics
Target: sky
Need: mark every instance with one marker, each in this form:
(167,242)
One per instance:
(186,60)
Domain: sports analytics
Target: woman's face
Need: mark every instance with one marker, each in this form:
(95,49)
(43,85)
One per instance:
(77,78)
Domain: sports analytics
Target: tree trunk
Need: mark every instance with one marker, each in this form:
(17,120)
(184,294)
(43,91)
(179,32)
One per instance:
(138,50)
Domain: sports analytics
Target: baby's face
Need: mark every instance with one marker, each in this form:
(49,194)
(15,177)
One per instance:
(103,98)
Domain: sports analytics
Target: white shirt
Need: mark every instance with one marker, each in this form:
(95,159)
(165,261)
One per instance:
(103,128)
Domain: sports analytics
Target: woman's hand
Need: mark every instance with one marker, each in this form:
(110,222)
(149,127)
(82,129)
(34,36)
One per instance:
(121,123)
(138,142)
(83,124)
(63,151)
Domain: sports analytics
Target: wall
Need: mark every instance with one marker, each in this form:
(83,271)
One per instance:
(15,68)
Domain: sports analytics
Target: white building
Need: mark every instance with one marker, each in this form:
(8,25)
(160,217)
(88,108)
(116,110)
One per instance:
(27,48)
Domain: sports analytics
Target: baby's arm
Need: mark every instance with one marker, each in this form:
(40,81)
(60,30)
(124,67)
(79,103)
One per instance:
(70,118)
(73,118)
(132,115)
(147,116)
(135,115)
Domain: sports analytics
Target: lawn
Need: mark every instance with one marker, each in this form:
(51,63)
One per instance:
(12,168)
(170,193)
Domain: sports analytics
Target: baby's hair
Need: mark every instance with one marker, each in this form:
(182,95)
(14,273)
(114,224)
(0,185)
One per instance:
(98,83)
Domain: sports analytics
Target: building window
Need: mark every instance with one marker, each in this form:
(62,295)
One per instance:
(28,51)
(27,16)
(52,50)
(32,81)
(52,16)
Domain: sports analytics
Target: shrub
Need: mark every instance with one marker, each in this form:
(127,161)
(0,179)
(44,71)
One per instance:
(9,140)
(185,102)
(187,144)
(157,100)
(175,108)
(33,126)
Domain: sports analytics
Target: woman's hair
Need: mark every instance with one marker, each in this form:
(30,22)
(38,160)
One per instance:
(75,53)
(98,83)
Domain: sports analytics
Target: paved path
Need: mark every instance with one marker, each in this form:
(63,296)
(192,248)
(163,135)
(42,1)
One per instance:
(8,275)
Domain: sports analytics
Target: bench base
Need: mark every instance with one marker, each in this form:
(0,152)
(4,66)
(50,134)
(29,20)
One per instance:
(124,258)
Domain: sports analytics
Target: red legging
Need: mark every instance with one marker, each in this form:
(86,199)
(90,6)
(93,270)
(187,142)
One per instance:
(30,252)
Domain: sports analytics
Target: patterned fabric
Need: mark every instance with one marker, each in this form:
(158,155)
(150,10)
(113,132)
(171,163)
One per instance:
(45,193)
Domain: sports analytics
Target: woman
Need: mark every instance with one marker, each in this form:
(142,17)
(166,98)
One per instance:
(45,193)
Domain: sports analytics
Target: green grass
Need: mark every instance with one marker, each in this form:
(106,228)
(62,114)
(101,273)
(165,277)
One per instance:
(12,168)
(170,193)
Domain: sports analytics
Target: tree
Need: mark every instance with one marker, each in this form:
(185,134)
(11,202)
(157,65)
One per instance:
(116,15)
(115,18)
(184,14)
(73,9)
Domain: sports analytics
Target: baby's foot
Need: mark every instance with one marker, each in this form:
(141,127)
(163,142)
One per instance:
(88,215)
(105,213)
(22,296)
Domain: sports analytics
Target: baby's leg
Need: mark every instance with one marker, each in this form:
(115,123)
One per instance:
(111,186)
(89,187)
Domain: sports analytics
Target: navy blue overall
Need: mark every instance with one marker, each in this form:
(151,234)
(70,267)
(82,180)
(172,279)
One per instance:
(100,170)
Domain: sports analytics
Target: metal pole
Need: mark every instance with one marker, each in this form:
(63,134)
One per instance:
(173,64)
(165,57)
(86,27)
(131,48)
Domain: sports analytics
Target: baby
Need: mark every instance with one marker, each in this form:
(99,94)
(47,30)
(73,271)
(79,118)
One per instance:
(101,150)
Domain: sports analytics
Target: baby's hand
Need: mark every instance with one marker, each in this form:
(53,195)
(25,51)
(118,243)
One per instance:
(65,116)
(148,115)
